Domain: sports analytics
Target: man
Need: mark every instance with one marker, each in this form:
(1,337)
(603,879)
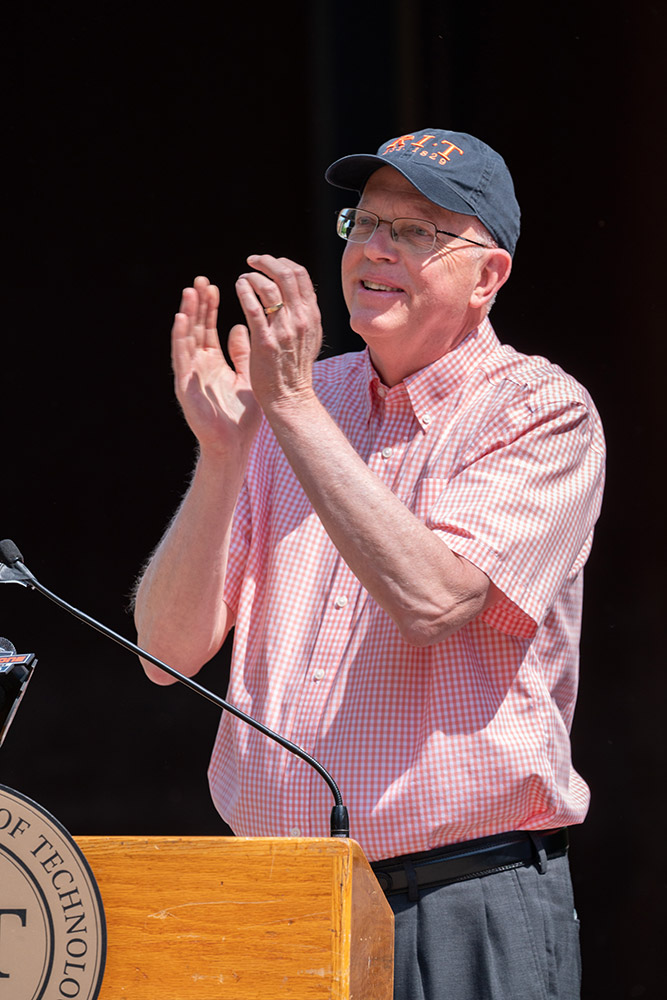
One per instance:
(398,537)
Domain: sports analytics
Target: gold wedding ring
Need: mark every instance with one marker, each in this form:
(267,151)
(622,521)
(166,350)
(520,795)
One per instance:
(269,310)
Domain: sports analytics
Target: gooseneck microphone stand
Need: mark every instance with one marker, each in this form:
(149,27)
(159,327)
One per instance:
(13,570)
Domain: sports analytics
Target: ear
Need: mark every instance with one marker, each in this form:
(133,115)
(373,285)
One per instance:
(495,267)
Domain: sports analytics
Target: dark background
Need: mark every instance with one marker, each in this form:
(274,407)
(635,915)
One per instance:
(147,144)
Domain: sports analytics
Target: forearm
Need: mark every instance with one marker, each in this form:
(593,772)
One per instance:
(427,589)
(180,613)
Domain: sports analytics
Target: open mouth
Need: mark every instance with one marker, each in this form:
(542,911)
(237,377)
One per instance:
(376,286)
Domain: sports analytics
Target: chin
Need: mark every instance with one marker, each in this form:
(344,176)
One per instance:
(376,326)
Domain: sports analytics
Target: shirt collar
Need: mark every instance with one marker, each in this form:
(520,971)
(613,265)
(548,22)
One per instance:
(429,387)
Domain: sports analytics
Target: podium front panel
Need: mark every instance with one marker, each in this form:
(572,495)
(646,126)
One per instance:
(241,918)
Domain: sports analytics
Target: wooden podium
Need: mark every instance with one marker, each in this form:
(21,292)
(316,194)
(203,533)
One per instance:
(241,919)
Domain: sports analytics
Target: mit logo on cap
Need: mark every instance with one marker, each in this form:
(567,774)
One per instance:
(423,147)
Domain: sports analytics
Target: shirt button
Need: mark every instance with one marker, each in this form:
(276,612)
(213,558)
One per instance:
(387,452)
(340,601)
(382,391)
(295,832)
(426,419)
(319,674)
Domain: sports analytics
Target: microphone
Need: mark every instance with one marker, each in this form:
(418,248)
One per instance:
(15,673)
(13,570)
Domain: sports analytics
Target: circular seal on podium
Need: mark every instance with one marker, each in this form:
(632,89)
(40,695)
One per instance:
(52,927)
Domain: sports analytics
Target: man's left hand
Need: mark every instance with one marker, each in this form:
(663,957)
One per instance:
(285,342)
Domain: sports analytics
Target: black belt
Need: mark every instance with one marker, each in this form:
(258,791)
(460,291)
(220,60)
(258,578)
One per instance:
(468,860)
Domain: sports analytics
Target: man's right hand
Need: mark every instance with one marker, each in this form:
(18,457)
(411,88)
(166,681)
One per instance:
(217,400)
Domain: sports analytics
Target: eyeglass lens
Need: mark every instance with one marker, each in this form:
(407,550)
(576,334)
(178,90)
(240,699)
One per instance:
(358,226)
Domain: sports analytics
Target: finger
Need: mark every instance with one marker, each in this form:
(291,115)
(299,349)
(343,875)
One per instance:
(185,321)
(189,303)
(211,338)
(264,288)
(292,279)
(181,345)
(201,285)
(250,303)
(238,346)
(207,302)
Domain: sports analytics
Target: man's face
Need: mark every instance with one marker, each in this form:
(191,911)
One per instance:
(410,309)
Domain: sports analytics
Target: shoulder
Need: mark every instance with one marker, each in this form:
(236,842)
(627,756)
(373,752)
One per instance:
(533,373)
(522,406)
(536,387)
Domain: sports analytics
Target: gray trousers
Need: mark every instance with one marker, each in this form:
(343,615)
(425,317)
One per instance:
(509,936)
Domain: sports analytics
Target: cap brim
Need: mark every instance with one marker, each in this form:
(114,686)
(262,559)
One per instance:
(352,173)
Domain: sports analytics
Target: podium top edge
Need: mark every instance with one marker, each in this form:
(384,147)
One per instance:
(338,845)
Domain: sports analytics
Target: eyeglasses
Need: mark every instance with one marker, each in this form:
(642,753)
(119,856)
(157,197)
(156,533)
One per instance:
(356,225)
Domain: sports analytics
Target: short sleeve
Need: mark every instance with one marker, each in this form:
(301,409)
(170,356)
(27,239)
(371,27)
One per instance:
(522,503)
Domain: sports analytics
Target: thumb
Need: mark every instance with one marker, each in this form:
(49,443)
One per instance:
(238,345)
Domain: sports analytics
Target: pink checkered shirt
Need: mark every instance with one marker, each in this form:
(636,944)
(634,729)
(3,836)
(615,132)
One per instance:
(502,456)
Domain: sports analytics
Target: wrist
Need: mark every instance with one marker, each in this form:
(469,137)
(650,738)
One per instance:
(297,405)
(216,464)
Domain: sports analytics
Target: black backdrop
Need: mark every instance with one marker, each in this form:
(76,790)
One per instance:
(147,144)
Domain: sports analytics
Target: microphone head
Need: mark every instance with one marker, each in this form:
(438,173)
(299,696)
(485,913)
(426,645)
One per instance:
(9,553)
(15,672)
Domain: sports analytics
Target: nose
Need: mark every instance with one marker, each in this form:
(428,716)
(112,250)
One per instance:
(381,245)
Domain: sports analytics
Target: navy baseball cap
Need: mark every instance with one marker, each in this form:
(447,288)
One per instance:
(452,169)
